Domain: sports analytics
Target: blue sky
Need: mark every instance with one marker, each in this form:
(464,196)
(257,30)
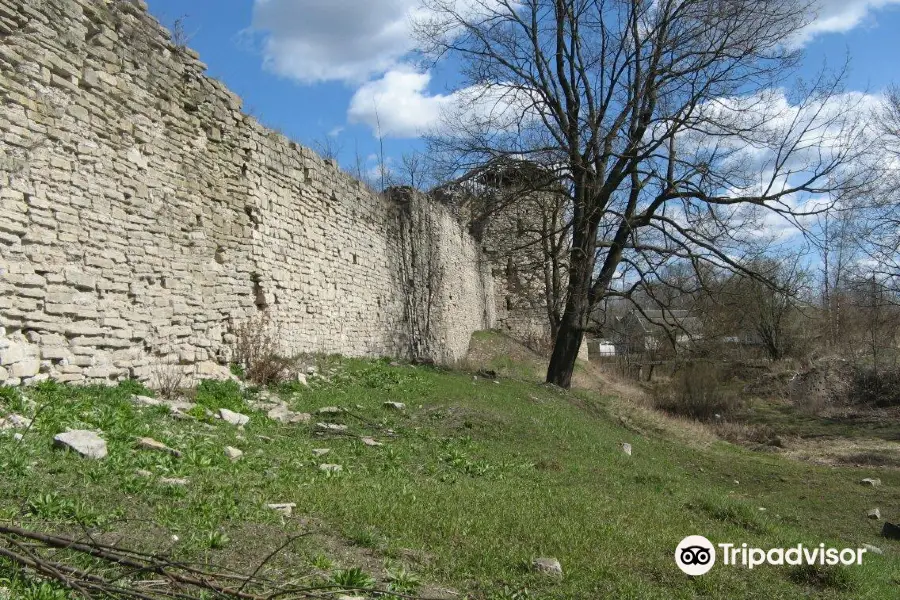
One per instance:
(317,69)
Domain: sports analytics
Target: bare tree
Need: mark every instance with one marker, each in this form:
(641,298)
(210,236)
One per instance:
(891,121)
(838,249)
(771,311)
(414,170)
(645,110)
(882,214)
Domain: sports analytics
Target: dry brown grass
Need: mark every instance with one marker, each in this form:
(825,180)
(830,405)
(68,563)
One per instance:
(633,406)
(747,434)
(698,390)
(844,452)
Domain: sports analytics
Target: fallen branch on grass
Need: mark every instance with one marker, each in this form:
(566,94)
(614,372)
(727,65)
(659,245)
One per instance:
(121,574)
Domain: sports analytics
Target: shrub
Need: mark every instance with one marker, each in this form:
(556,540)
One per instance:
(879,387)
(167,379)
(697,391)
(256,350)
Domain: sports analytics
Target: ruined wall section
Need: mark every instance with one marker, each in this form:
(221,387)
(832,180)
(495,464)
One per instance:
(141,213)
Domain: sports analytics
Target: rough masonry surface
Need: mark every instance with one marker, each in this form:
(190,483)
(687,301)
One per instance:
(143,215)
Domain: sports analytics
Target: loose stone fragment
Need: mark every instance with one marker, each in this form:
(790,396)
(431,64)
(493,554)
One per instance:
(86,443)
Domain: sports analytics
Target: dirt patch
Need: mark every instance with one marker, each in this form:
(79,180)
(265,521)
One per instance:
(458,419)
(845,452)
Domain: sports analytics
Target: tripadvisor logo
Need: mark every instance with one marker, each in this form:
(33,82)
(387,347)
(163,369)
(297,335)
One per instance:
(696,555)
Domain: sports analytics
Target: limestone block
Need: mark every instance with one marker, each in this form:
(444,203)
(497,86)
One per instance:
(12,353)
(79,279)
(26,368)
(83,328)
(55,353)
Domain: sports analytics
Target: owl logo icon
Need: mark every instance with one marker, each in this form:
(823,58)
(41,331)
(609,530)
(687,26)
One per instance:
(695,555)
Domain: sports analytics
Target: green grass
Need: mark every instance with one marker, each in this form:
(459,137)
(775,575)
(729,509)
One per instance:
(479,479)
(788,419)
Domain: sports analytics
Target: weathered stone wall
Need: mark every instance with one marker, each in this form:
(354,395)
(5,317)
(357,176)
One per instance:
(143,213)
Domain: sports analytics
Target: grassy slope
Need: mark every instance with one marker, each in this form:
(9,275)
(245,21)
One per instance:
(480,478)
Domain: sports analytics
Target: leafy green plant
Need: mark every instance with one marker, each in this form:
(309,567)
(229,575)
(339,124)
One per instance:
(354,578)
(237,369)
(134,387)
(403,581)
(198,459)
(199,412)
(508,593)
(12,398)
(321,561)
(54,507)
(216,540)
(220,394)
(40,591)
(457,459)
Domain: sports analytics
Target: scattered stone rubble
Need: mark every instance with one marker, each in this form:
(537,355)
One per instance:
(86,443)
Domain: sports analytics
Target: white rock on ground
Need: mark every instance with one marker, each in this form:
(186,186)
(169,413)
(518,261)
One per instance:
(547,566)
(285,508)
(14,421)
(233,453)
(86,443)
(282,414)
(232,417)
(331,427)
(331,468)
(174,405)
(870,481)
(626,448)
(874,514)
(179,481)
(302,378)
(873,549)
(330,410)
(370,441)
(395,405)
(146,443)
(321,451)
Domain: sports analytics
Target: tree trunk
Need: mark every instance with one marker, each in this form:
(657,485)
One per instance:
(565,351)
(570,332)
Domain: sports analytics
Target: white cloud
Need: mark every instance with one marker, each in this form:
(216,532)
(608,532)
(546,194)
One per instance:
(839,16)
(333,40)
(367,44)
(398,104)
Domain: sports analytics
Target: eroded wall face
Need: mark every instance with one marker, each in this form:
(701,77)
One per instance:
(142,213)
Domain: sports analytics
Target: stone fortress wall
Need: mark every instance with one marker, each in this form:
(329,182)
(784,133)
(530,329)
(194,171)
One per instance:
(142,214)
